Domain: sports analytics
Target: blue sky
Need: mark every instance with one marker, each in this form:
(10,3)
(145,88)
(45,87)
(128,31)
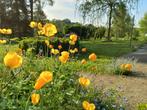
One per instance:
(67,9)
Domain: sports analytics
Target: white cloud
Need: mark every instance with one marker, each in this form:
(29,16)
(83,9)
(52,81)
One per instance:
(62,9)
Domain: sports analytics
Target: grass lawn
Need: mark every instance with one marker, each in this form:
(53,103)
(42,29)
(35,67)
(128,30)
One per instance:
(110,49)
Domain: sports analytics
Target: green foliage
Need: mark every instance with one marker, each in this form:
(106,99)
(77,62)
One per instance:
(63,93)
(100,8)
(85,31)
(143,25)
(142,106)
(122,21)
(39,44)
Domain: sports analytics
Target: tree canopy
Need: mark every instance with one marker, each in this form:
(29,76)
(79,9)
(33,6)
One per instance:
(17,14)
(94,8)
(143,25)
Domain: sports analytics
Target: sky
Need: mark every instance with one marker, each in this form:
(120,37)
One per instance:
(63,9)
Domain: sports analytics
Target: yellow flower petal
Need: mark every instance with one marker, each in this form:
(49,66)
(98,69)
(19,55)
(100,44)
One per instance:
(12,60)
(49,30)
(92,57)
(33,24)
(44,78)
(35,98)
(73,37)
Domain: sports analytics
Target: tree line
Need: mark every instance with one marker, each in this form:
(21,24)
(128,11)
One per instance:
(17,14)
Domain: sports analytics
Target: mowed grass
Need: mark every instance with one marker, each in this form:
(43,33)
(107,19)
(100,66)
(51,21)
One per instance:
(110,49)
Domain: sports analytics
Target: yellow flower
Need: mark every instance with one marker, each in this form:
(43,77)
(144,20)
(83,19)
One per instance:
(122,66)
(0,31)
(3,41)
(47,42)
(59,46)
(93,68)
(40,32)
(76,50)
(33,24)
(44,78)
(88,106)
(72,51)
(73,37)
(65,54)
(8,31)
(51,46)
(49,30)
(39,26)
(12,60)
(92,57)
(71,42)
(84,49)
(83,61)
(84,81)
(54,51)
(35,98)
(3,31)
(62,59)
(128,67)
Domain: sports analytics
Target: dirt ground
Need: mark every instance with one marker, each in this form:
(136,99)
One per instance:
(133,88)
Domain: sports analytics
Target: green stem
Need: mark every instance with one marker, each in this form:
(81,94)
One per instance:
(26,106)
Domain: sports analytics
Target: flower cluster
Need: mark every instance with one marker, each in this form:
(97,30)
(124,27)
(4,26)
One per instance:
(88,106)
(84,81)
(54,51)
(44,78)
(5,31)
(48,29)
(73,51)
(14,60)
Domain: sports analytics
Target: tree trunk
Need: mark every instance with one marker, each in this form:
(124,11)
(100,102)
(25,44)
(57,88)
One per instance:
(31,7)
(109,26)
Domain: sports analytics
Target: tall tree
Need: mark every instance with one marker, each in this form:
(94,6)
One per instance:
(16,14)
(121,21)
(39,4)
(91,8)
(143,25)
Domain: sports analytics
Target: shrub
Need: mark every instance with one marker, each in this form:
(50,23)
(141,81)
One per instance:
(39,44)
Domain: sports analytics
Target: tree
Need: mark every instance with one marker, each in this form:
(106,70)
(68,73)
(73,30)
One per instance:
(122,22)
(39,4)
(16,14)
(143,24)
(93,8)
